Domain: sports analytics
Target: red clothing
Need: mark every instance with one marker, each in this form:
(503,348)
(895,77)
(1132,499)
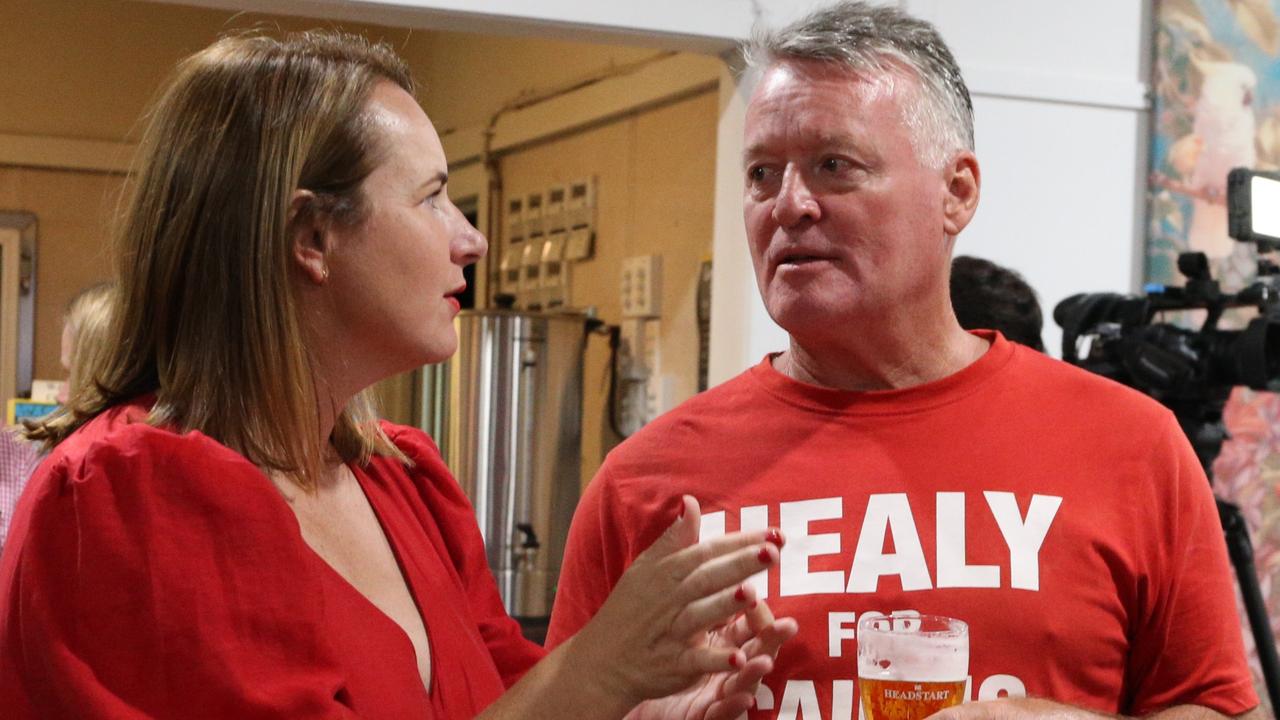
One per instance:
(1064,517)
(151,574)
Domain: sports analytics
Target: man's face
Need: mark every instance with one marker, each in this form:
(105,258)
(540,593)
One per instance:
(843,220)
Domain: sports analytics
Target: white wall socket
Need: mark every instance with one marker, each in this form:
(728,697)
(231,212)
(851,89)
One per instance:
(641,288)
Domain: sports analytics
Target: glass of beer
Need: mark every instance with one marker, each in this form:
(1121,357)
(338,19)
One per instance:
(911,665)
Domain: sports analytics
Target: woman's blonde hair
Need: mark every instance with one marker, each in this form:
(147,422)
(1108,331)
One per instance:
(208,317)
(89,320)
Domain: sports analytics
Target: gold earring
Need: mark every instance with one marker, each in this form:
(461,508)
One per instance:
(324,273)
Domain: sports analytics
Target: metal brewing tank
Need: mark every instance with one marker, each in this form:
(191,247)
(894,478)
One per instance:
(512,433)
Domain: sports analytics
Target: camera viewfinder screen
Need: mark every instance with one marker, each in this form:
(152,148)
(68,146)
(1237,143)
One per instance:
(1264,201)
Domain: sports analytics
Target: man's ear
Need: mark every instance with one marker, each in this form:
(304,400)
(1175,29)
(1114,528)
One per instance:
(964,183)
(309,244)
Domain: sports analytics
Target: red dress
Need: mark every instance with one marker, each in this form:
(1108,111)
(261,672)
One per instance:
(151,574)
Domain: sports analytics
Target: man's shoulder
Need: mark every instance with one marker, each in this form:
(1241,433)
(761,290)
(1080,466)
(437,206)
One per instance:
(693,420)
(1058,386)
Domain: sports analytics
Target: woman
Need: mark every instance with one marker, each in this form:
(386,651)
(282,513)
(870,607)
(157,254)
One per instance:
(224,530)
(84,343)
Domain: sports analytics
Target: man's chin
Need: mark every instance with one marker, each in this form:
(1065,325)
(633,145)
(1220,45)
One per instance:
(800,315)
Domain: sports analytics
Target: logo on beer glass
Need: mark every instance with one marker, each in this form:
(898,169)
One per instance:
(911,665)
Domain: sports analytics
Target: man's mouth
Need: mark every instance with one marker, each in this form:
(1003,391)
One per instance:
(797,259)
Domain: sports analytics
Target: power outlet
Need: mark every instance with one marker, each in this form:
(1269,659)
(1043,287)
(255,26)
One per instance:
(641,288)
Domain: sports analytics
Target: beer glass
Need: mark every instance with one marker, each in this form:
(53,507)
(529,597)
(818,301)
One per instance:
(910,665)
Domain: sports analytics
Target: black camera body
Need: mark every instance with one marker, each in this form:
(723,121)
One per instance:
(1190,371)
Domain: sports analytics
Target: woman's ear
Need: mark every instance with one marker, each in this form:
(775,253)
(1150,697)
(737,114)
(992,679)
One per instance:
(306,229)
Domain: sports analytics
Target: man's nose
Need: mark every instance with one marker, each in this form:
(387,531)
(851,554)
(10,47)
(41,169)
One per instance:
(795,201)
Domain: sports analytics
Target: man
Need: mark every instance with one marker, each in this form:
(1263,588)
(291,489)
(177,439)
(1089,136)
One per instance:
(986,295)
(911,464)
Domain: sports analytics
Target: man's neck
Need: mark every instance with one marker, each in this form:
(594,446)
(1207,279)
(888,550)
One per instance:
(881,363)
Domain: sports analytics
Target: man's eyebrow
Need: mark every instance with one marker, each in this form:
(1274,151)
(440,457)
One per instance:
(825,140)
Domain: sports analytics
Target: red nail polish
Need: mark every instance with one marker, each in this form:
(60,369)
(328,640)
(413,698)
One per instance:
(740,595)
(733,661)
(775,536)
(753,604)
(765,557)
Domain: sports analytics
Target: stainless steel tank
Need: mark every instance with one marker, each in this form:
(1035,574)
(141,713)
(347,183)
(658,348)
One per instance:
(511,431)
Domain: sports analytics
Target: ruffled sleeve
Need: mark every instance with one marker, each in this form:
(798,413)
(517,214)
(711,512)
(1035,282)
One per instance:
(454,515)
(157,575)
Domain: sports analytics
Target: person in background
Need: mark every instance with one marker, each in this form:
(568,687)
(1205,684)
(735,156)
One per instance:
(987,296)
(84,341)
(223,528)
(18,459)
(914,465)
(85,329)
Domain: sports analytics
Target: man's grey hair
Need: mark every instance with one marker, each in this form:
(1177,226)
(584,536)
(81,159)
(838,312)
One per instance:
(872,40)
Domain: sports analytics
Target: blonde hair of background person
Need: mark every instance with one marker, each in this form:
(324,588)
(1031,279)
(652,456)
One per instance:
(85,335)
(85,328)
(291,242)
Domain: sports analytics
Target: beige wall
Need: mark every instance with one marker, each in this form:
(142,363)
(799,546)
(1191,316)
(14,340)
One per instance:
(86,71)
(71,211)
(654,178)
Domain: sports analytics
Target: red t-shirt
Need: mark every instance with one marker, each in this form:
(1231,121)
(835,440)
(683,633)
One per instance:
(151,574)
(1063,516)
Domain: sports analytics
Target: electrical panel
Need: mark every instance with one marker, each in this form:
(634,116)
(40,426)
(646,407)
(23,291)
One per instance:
(512,254)
(580,204)
(533,216)
(578,244)
(554,272)
(553,215)
(515,221)
(580,219)
(510,269)
(530,271)
(545,233)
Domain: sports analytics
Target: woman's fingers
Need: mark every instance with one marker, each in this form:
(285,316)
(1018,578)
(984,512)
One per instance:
(719,573)
(730,707)
(686,561)
(680,534)
(746,680)
(754,619)
(771,639)
(703,659)
(758,617)
(703,614)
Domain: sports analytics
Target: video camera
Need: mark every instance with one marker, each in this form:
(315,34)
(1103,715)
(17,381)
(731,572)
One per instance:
(1190,371)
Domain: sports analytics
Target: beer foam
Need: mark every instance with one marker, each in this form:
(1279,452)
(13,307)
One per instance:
(913,656)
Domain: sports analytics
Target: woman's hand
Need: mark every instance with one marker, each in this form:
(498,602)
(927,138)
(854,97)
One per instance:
(727,695)
(652,637)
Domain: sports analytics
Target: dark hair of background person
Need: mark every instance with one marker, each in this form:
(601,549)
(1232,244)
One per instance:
(990,297)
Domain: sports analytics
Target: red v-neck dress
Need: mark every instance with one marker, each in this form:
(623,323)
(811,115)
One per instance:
(151,574)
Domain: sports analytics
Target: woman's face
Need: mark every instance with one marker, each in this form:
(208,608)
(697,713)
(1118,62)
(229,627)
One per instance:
(68,348)
(396,275)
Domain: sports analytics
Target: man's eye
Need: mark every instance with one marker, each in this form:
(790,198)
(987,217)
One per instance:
(836,165)
(758,174)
